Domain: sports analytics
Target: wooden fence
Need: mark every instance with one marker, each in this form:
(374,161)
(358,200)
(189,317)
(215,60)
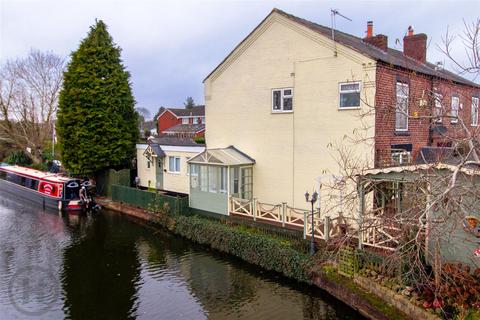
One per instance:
(147,200)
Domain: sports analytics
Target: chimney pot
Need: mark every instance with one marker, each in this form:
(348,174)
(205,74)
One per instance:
(369,29)
(410,31)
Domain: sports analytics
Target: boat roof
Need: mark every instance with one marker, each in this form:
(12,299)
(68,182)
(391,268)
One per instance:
(52,177)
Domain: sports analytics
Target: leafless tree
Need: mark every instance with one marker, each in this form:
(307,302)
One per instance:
(29,90)
(470,42)
(414,219)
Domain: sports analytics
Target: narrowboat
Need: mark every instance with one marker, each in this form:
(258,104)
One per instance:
(50,190)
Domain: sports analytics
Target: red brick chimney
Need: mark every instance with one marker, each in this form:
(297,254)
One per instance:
(379,41)
(415,45)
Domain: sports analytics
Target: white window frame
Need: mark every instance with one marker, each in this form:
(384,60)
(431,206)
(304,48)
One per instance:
(437,113)
(176,166)
(453,114)
(282,97)
(474,111)
(396,104)
(340,91)
(404,157)
(184,120)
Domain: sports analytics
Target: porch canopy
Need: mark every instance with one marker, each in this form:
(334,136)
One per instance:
(229,156)
(217,174)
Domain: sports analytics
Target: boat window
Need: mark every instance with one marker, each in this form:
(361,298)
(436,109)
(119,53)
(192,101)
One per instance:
(72,190)
(33,184)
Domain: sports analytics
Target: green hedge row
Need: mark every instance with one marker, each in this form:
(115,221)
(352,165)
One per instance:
(268,252)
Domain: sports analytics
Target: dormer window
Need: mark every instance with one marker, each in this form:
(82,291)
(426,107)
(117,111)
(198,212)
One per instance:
(282,100)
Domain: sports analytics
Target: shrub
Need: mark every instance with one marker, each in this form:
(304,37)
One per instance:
(268,252)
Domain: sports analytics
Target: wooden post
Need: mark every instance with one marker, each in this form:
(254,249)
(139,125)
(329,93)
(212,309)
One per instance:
(254,209)
(305,225)
(284,209)
(326,228)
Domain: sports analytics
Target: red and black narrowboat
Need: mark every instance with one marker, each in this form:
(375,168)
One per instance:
(50,190)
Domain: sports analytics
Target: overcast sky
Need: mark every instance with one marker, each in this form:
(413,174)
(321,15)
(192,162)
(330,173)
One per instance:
(170,46)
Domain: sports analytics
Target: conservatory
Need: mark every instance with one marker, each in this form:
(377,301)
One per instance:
(216,175)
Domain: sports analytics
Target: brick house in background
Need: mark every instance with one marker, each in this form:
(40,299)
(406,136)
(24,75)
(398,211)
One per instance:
(182,121)
(407,81)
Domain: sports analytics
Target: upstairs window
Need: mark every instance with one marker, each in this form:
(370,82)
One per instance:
(475,101)
(437,111)
(184,120)
(174,164)
(401,107)
(349,95)
(195,120)
(282,100)
(455,107)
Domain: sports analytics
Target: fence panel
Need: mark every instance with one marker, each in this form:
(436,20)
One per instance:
(145,199)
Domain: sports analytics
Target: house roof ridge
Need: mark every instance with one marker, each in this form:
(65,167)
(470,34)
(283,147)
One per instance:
(390,56)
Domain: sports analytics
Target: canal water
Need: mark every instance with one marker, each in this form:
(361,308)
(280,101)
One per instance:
(109,267)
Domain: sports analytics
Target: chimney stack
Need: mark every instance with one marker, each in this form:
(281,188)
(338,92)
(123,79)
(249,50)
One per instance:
(415,45)
(380,40)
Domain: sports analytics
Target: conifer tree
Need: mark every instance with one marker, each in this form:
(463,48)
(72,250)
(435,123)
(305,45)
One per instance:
(97,123)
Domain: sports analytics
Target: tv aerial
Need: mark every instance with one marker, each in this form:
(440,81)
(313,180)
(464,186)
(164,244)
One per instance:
(333,14)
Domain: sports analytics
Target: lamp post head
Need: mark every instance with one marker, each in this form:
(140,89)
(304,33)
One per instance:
(314,197)
(307,196)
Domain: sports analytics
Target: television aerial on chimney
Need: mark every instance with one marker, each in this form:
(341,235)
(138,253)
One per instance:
(333,14)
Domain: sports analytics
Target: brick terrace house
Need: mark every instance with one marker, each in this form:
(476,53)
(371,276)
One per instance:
(441,106)
(289,90)
(182,121)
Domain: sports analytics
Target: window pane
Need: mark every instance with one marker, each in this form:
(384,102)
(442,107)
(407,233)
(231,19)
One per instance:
(223,179)
(287,92)
(350,100)
(287,103)
(277,95)
(171,164)
(401,108)
(212,179)
(203,178)
(475,111)
(350,87)
(235,182)
(177,164)
(402,89)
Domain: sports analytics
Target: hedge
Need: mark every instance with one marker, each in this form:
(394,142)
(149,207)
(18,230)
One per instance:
(266,251)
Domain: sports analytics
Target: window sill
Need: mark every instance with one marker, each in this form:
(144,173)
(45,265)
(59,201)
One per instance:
(280,112)
(348,108)
(402,133)
(173,172)
(474,125)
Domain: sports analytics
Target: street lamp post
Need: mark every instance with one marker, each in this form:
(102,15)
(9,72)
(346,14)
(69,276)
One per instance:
(312,201)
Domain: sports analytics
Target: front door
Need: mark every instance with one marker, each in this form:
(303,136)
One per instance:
(159,173)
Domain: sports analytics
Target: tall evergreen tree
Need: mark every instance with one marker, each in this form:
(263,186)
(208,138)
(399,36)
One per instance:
(97,124)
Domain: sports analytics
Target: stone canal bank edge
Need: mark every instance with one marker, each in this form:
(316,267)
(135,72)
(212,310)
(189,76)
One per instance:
(362,294)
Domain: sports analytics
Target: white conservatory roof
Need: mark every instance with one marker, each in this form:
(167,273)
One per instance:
(222,156)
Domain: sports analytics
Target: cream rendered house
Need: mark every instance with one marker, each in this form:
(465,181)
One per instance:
(162,163)
(285,98)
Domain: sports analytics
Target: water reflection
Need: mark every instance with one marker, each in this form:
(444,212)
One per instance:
(107,267)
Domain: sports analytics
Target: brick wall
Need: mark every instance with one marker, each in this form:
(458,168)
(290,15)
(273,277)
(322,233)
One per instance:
(420,106)
(167,120)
